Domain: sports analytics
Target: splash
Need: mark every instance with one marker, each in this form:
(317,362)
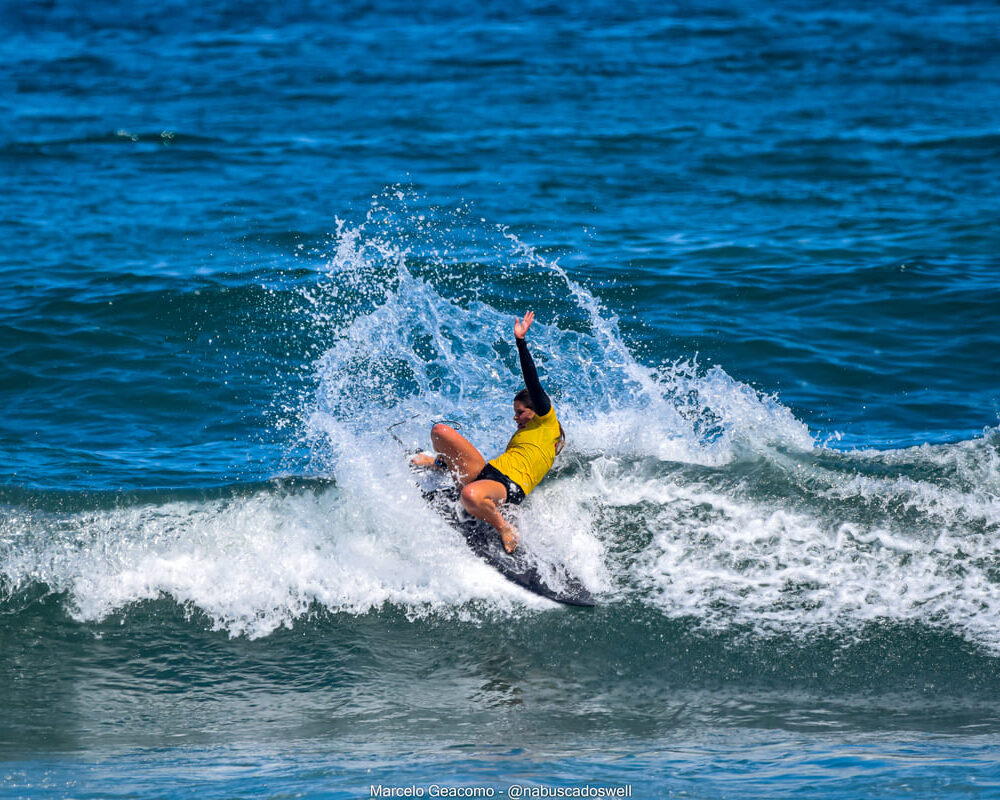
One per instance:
(433,336)
(680,488)
(251,564)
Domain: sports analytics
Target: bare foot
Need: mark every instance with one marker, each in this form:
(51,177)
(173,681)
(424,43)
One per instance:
(509,538)
(422,460)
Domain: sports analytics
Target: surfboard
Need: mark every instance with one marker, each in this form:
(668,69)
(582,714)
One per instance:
(552,581)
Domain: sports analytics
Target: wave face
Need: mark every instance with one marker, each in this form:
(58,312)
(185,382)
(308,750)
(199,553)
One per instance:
(682,490)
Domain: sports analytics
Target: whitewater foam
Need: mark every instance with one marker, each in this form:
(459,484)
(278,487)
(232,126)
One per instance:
(252,564)
(680,488)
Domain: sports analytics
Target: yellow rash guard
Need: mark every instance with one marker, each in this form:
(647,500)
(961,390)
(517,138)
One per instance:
(530,452)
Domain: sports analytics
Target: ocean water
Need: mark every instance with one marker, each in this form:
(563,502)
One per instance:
(245,244)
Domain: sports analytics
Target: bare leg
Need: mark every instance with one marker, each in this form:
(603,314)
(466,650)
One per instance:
(464,461)
(481,498)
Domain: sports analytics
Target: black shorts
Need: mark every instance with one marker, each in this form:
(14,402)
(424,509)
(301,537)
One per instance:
(515,494)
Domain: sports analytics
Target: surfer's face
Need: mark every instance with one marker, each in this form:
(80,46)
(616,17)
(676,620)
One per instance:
(522,414)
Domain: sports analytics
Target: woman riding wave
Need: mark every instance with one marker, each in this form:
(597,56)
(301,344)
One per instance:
(513,474)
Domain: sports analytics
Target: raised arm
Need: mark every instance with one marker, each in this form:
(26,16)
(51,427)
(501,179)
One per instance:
(539,400)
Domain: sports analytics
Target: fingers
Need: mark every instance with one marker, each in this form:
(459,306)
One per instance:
(521,326)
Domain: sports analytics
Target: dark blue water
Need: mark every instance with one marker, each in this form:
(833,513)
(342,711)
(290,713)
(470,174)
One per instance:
(241,241)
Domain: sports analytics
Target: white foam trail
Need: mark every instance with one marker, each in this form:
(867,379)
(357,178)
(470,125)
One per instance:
(789,566)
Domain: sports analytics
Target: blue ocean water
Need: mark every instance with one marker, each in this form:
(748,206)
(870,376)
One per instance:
(243,241)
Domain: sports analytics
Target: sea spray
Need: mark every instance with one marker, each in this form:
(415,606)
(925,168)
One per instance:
(681,490)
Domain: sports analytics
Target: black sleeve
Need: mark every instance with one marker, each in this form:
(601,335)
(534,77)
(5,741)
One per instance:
(539,399)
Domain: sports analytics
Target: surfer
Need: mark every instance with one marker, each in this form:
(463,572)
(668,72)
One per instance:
(513,474)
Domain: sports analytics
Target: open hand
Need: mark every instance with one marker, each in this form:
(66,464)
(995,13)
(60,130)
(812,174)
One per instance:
(521,328)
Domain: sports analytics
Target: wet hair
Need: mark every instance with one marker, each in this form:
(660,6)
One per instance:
(524,397)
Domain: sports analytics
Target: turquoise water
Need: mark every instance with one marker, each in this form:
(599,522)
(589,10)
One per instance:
(242,242)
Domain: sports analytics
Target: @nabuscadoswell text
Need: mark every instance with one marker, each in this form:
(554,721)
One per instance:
(513,791)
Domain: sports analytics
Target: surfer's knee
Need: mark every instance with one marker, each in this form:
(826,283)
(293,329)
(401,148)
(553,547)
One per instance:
(470,495)
(474,498)
(441,431)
